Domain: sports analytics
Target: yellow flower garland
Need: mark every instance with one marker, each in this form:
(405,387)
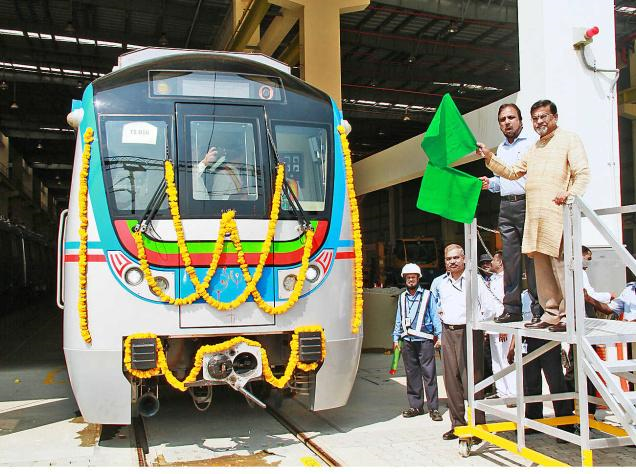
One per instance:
(227,226)
(357,236)
(83,234)
(163,369)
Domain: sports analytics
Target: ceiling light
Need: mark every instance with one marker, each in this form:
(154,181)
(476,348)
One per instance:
(4,86)
(70,29)
(453,27)
(163,40)
(14,104)
(79,84)
(411,59)
(39,147)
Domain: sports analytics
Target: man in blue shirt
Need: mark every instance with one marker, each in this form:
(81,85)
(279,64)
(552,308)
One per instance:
(512,215)
(417,325)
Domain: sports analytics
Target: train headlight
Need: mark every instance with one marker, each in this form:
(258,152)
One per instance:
(162,283)
(312,274)
(134,276)
(289,282)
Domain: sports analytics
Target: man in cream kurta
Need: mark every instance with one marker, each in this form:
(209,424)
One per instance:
(555,167)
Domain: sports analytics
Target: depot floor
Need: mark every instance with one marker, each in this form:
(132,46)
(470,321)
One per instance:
(40,423)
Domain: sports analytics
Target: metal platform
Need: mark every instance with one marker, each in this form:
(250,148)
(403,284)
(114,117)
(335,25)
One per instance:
(581,332)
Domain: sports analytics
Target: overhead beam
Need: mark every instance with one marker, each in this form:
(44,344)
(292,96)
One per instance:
(37,77)
(490,12)
(277,30)
(36,134)
(421,72)
(426,46)
(250,22)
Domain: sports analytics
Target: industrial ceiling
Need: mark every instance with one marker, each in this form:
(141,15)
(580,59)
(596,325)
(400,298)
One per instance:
(398,58)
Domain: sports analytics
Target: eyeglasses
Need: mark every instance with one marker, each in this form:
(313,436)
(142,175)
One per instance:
(540,118)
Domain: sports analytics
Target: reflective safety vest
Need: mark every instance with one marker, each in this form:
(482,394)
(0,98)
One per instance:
(419,320)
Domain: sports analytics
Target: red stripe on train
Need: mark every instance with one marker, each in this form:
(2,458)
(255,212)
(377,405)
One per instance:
(344,255)
(89,258)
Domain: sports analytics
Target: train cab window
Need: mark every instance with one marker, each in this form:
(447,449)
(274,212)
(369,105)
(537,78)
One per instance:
(133,155)
(304,151)
(223,161)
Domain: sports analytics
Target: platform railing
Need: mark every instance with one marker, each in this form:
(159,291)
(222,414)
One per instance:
(580,331)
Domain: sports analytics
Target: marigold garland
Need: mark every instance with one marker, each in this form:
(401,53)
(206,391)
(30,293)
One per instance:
(279,382)
(227,226)
(357,236)
(83,235)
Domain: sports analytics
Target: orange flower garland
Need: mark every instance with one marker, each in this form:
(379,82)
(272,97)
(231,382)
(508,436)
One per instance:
(163,369)
(227,226)
(357,236)
(82,307)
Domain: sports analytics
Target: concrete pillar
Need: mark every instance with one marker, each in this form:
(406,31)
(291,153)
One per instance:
(550,68)
(632,83)
(320,41)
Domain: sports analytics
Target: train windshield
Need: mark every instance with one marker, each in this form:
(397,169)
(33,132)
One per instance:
(223,160)
(303,150)
(133,149)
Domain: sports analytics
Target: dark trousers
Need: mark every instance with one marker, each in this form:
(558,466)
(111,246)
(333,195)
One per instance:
(570,380)
(512,217)
(550,363)
(455,373)
(419,364)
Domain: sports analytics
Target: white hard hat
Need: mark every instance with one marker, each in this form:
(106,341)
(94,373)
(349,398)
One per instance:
(411,268)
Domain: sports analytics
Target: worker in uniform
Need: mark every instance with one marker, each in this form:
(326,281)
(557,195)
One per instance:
(419,328)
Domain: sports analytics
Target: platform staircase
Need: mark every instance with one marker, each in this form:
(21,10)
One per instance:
(605,375)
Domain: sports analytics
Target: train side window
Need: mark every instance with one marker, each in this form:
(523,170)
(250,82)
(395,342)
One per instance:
(304,151)
(223,161)
(134,152)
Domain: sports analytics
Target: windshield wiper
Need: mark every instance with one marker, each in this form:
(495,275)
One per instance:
(154,204)
(294,203)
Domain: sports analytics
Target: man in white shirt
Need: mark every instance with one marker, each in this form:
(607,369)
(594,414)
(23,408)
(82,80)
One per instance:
(512,213)
(500,343)
(215,178)
(449,291)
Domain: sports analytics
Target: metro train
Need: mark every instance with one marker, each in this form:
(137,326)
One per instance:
(212,237)
(27,260)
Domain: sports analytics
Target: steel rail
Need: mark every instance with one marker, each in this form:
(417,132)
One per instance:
(304,438)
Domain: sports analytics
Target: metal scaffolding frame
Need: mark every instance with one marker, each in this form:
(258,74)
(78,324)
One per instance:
(588,364)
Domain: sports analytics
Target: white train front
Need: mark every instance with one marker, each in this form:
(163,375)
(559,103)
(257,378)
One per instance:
(212,237)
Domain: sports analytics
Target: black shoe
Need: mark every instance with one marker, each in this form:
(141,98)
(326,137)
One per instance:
(535,319)
(435,415)
(411,412)
(508,318)
(558,328)
(450,434)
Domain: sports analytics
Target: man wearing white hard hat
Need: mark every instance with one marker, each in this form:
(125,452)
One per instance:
(418,326)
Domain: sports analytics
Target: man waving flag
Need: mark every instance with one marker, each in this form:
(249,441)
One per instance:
(447,191)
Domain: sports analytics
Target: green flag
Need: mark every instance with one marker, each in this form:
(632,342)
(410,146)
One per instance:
(446,191)
(449,193)
(448,138)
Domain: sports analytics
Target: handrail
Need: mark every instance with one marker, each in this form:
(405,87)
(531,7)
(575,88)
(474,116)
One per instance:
(625,256)
(59,293)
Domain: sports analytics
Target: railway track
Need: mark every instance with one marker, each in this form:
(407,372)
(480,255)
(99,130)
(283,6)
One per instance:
(141,440)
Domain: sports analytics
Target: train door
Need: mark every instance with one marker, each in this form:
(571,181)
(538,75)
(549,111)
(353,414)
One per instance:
(223,163)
